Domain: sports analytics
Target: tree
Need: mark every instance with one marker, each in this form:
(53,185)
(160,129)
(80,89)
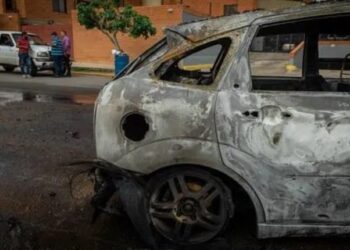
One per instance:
(108,17)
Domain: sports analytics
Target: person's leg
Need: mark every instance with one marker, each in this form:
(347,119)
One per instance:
(60,65)
(21,63)
(55,66)
(67,62)
(27,62)
(64,65)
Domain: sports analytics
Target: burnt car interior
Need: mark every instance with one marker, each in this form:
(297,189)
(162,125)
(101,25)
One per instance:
(326,35)
(199,66)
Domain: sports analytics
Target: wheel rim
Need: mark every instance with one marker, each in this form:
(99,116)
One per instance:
(188,208)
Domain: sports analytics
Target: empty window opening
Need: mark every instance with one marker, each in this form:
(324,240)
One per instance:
(334,61)
(308,55)
(59,6)
(230,9)
(199,66)
(10,5)
(270,55)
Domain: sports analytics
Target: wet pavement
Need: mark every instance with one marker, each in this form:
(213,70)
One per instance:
(26,96)
(46,84)
(44,204)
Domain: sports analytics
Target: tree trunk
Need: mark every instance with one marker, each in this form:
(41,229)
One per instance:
(113,39)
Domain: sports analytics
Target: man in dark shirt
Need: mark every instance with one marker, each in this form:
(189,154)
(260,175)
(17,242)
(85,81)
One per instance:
(57,54)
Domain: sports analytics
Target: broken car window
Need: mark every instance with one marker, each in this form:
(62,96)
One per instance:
(334,61)
(202,60)
(272,55)
(153,53)
(196,67)
(307,55)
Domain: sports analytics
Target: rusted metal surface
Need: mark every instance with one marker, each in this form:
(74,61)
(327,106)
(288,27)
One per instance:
(289,151)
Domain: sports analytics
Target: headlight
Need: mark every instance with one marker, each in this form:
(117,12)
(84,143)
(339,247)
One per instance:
(42,54)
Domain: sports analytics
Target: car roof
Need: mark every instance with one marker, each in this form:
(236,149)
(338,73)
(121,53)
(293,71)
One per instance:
(200,30)
(15,32)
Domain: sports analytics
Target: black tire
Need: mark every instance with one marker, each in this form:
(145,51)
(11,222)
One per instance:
(188,205)
(9,68)
(33,70)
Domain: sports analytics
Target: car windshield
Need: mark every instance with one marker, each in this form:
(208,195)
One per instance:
(34,40)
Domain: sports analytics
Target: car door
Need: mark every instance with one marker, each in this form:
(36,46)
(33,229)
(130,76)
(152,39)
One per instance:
(290,142)
(13,54)
(8,50)
(3,50)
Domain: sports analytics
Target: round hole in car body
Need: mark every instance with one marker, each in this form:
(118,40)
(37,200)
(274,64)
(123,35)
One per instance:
(135,126)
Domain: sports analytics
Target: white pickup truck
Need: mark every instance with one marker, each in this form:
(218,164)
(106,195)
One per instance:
(39,52)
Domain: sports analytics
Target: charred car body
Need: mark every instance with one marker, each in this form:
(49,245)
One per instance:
(195,118)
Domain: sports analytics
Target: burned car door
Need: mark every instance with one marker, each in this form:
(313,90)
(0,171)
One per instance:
(165,108)
(286,132)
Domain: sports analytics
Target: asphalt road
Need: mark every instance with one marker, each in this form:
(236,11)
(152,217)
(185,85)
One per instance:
(45,83)
(44,204)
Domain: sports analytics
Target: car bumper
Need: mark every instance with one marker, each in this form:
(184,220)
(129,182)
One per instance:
(43,64)
(131,192)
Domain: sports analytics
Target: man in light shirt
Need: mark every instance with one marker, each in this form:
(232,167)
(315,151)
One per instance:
(67,49)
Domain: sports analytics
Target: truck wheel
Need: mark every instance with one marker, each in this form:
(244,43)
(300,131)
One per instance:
(9,68)
(189,205)
(33,70)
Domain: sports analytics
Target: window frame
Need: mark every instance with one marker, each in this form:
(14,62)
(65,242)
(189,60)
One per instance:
(13,7)
(10,39)
(226,42)
(57,8)
(255,32)
(226,10)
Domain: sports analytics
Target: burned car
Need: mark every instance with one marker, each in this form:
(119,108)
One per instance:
(220,105)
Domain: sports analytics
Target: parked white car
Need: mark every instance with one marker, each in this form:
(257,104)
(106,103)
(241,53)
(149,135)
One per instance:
(39,52)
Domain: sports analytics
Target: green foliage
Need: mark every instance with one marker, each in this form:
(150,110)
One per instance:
(111,19)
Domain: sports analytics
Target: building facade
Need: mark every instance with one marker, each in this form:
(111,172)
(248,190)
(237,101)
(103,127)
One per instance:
(277,4)
(163,13)
(36,12)
(45,16)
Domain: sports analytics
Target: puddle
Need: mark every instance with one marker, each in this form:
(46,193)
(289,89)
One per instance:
(80,99)
(7,97)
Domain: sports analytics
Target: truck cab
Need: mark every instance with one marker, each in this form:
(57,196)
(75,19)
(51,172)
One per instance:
(39,52)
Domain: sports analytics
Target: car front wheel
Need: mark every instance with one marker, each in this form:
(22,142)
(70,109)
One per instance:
(33,70)
(188,205)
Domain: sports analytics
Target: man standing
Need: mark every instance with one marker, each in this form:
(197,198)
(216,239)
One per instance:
(24,58)
(67,49)
(57,54)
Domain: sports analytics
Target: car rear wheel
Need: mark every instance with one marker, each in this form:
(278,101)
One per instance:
(188,205)
(9,68)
